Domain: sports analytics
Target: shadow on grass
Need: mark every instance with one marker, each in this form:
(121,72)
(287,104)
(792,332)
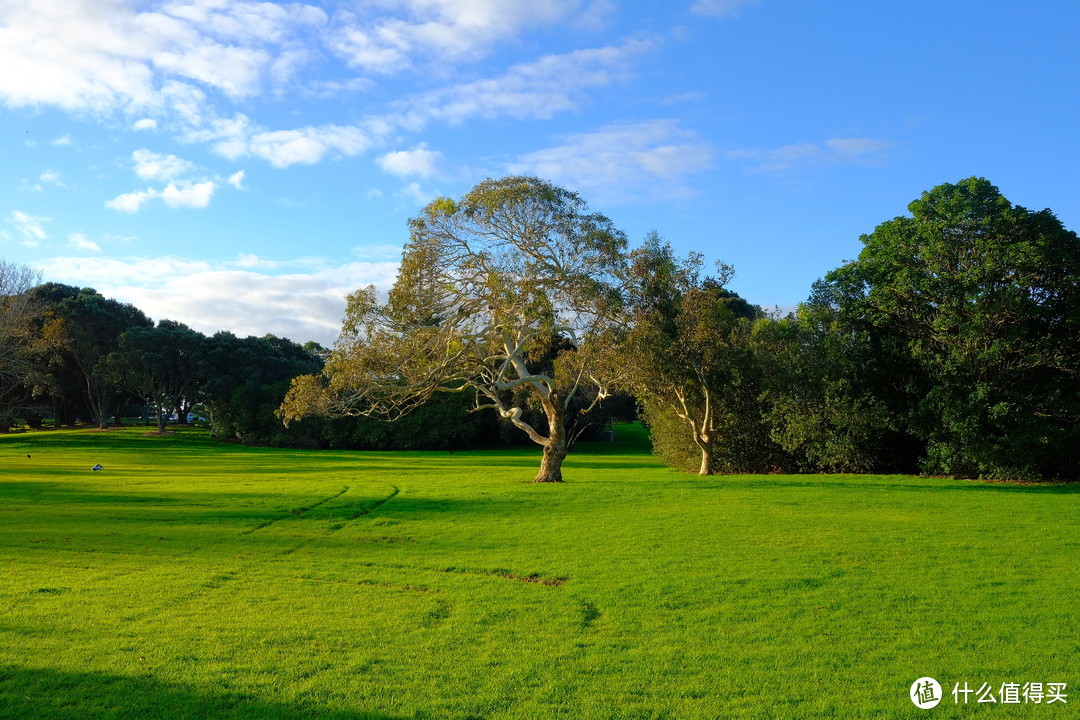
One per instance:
(876,482)
(53,695)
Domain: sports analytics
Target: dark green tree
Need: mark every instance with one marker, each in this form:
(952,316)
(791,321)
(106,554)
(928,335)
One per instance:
(836,391)
(89,327)
(245,381)
(983,295)
(161,365)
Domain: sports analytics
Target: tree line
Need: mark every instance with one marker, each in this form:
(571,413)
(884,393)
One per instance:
(71,356)
(949,346)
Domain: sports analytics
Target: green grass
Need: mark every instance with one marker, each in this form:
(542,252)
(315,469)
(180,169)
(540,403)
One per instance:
(191,579)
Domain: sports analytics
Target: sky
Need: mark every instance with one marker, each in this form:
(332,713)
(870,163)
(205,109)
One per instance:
(242,166)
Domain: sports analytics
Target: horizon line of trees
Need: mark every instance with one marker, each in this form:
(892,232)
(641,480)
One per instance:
(949,346)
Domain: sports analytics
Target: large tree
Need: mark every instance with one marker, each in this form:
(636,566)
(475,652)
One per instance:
(487,285)
(983,296)
(836,390)
(90,326)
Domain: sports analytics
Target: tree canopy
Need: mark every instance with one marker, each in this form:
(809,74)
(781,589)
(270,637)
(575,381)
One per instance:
(682,347)
(487,284)
(982,296)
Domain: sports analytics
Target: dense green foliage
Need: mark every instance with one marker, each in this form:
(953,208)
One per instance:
(195,579)
(978,304)
(169,369)
(949,346)
(90,325)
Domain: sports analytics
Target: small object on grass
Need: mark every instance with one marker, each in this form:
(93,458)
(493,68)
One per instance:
(27,457)
(96,468)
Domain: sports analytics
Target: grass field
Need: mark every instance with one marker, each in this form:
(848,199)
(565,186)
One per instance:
(191,579)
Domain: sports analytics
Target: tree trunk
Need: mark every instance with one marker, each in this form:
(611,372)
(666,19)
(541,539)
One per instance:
(551,464)
(706,462)
(555,450)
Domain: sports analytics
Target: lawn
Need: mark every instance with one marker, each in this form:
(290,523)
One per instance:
(191,579)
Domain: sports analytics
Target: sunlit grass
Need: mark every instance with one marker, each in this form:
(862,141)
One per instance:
(191,579)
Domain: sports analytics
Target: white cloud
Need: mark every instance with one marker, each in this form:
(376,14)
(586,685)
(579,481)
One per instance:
(52,177)
(115,55)
(112,272)
(538,89)
(623,162)
(837,151)
(236,71)
(79,241)
(190,195)
(418,161)
(152,166)
(595,16)
(132,201)
(720,8)
(230,295)
(181,194)
(416,193)
(334,88)
(49,177)
(237,180)
(179,64)
(250,260)
(857,148)
(406,32)
(282,148)
(237,138)
(30,227)
(63,141)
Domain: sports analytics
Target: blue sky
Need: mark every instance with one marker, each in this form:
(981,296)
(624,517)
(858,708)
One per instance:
(241,165)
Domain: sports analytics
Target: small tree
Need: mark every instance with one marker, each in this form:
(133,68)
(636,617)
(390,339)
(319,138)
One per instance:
(684,350)
(486,285)
(21,341)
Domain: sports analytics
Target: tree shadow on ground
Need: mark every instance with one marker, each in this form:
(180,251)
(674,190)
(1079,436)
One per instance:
(45,694)
(877,482)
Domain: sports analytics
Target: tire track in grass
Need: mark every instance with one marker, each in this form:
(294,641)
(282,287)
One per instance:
(219,577)
(366,511)
(532,578)
(299,511)
(362,512)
